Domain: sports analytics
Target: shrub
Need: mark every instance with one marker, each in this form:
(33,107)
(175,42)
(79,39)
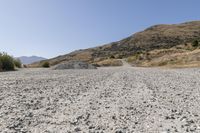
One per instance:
(195,43)
(18,63)
(112,57)
(1,66)
(6,62)
(46,64)
(25,66)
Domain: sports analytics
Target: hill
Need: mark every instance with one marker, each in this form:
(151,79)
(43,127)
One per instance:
(177,38)
(30,59)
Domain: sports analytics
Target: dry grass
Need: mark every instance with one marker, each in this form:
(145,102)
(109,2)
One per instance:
(161,42)
(84,56)
(178,56)
(110,62)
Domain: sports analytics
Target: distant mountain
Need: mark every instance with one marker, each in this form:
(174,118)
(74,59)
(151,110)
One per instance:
(159,45)
(30,59)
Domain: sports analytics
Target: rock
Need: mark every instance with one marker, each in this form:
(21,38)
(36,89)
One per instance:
(119,131)
(77,129)
(74,65)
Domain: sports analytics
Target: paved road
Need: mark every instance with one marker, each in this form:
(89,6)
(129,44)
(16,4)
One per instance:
(107,100)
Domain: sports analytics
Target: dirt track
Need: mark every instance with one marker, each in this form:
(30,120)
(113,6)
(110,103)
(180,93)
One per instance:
(107,100)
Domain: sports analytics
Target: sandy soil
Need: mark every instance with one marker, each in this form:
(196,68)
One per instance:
(106,100)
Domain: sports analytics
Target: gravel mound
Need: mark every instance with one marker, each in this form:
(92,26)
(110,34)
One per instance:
(74,65)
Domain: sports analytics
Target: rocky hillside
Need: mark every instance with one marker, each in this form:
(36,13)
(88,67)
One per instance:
(157,37)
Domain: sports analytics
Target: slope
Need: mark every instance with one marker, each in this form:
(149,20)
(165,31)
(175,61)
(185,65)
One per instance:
(157,37)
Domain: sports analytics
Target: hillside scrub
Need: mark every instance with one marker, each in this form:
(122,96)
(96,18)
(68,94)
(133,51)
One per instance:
(46,64)
(185,55)
(154,38)
(8,63)
(195,43)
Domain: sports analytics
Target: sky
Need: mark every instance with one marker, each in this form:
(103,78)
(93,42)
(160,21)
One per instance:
(49,28)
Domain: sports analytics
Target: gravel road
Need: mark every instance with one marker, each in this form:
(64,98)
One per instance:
(106,100)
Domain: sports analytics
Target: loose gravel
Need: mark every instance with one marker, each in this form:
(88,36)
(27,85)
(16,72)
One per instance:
(106,100)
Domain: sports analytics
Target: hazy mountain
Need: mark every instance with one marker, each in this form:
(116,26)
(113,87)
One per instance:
(169,39)
(30,59)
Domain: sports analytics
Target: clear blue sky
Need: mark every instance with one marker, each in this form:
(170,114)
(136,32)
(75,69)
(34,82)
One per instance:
(50,28)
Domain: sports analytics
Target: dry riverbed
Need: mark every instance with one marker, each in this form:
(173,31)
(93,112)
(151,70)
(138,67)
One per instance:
(106,100)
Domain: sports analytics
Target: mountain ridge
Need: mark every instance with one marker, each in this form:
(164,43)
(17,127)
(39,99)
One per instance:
(162,36)
(30,59)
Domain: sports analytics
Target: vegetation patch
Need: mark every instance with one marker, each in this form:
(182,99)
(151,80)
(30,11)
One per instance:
(46,64)
(8,63)
(187,54)
(195,43)
(17,63)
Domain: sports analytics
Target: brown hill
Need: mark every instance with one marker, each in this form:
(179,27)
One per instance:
(157,37)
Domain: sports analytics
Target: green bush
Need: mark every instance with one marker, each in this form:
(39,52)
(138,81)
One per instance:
(6,62)
(17,63)
(46,64)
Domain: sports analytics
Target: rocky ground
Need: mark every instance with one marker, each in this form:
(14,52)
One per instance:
(106,100)
(74,65)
